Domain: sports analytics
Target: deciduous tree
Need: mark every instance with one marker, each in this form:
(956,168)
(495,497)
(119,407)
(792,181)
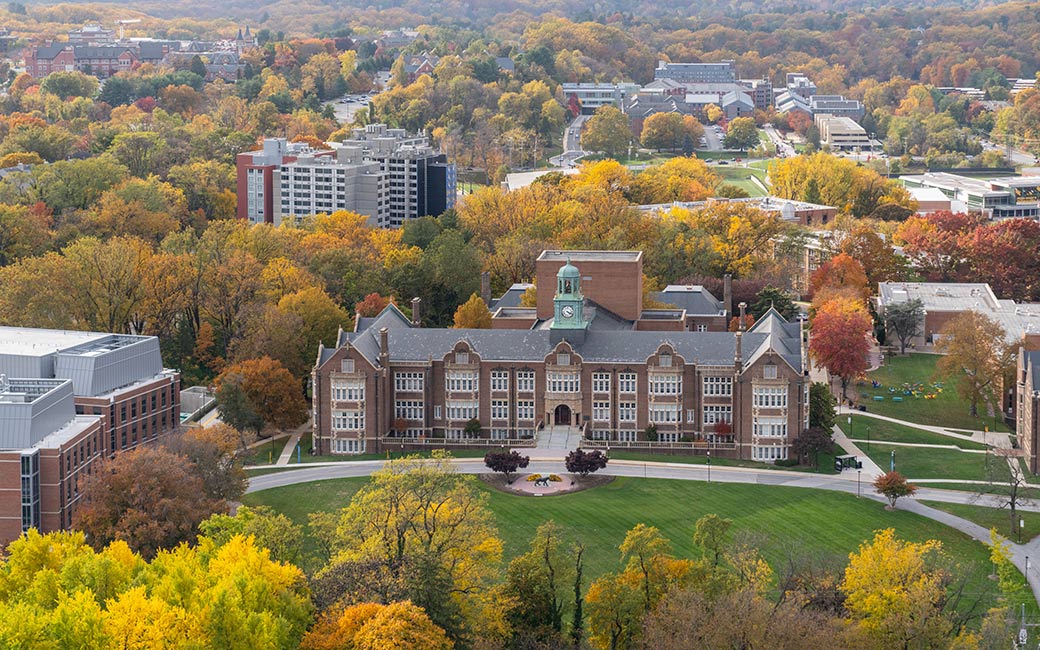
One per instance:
(975,356)
(257,393)
(742,133)
(840,277)
(811,442)
(149,497)
(607,131)
(473,314)
(893,485)
(895,592)
(585,462)
(506,462)
(903,320)
(839,339)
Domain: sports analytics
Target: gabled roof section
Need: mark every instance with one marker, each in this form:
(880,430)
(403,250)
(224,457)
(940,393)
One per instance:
(781,337)
(391,318)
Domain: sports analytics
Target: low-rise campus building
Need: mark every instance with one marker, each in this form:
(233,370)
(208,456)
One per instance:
(1027,407)
(1008,197)
(586,359)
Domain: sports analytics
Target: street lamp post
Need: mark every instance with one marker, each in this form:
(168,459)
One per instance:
(709,466)
(892,466)
(858,472)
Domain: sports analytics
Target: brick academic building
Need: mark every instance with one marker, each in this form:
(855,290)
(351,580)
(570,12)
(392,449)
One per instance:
(587,357)
(68,400)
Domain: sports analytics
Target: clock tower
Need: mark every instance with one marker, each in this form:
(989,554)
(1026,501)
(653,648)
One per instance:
(569,304)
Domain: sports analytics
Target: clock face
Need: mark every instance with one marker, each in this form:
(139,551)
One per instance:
(567,311)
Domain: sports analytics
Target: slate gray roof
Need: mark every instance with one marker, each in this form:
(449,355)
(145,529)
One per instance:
(695,299)
(710,348)
(511,298)
(391,317)
(782,337)
(101,51)
(50,51)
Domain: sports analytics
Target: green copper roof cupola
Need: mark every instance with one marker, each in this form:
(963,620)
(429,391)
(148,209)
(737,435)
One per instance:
(569,303)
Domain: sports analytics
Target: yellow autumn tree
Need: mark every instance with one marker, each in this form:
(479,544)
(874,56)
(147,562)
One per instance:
(473,314)
(894,592)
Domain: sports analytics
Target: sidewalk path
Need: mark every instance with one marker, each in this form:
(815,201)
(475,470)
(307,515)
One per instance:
(996,439)
(294,440)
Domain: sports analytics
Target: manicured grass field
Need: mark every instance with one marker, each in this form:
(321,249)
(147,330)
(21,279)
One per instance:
(782,521)
(864,428)
(993,518)
(739,176)
(924,462)
(947,409)
(269,453)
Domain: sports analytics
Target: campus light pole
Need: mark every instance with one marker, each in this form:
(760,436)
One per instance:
(892,465)
(858,472)
(709,466)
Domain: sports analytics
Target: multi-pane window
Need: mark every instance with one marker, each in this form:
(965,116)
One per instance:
(601,411)
(462,357)
(348,446)
(348,390)
(525,410)
(601,382)
(627,436)
(499,380)
(770,396)
(499,409)
(563,359)
(626,382)
(408,409)
(770,427)
(665,384)
(348,420)
(346,365)
(464,381)
(714,414)
(499,434)
(769,453)
(669,436)
(525,381)
(408,382)
(462,410)
(626,411)
(718,386)
(665,360)
(664,413)
(769,372)
(563,382)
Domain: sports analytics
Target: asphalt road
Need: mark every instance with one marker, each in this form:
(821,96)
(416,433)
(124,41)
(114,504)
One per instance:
(571,144)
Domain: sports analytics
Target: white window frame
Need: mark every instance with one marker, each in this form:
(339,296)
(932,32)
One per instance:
(499,409)
(500,381)
(665,384)
(664,413)
(525,410)
(715,413)
(770,427)
(626,411)
(601,411)
(718,386)
(563,382)
(462,410)
(409,382)
(348,420)
(628,383)
(770,396)
(409,409)
(461,381)
(525,381)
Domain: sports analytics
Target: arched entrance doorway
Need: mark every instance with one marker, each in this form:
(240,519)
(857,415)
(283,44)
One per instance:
(562,415)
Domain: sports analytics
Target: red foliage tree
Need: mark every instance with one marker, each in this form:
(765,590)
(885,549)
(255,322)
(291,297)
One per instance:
(372,304)
(841,277)
(839,339)
(1004,254)
(936,244)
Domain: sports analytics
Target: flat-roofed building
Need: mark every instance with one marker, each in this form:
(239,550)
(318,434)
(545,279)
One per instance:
(841,133)
(944,301)
(596,95)
(716,72)
(1007,197)
(115,376)
(46,449)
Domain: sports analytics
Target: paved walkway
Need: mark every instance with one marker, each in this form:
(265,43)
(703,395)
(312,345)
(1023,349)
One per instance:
(996,439)
(294,440)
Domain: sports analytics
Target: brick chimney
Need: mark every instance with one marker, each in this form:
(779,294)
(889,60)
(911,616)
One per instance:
(417,312)
(727,295)
(743,309)
(384,347)
(485,287)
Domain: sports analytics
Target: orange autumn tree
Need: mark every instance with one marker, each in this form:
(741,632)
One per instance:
(840,277)
(473,314)
(256,393)
(371,626)
(839,339)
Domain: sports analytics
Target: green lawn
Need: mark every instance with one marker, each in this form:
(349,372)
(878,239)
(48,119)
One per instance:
(826,461)
(993,518)
(924,462)
(825,526)
(947,409)
(739,176)
(864,428)
(260,456)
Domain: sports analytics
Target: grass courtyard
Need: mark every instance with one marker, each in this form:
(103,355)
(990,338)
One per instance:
(783,522)
(740,177)
(929,463)
(993,518)
(944,408)
(867,428)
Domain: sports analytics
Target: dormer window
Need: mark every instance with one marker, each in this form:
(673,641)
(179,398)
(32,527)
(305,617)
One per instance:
(563,359)
(769,372)
(346,365)
(665,360)
(462,357)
